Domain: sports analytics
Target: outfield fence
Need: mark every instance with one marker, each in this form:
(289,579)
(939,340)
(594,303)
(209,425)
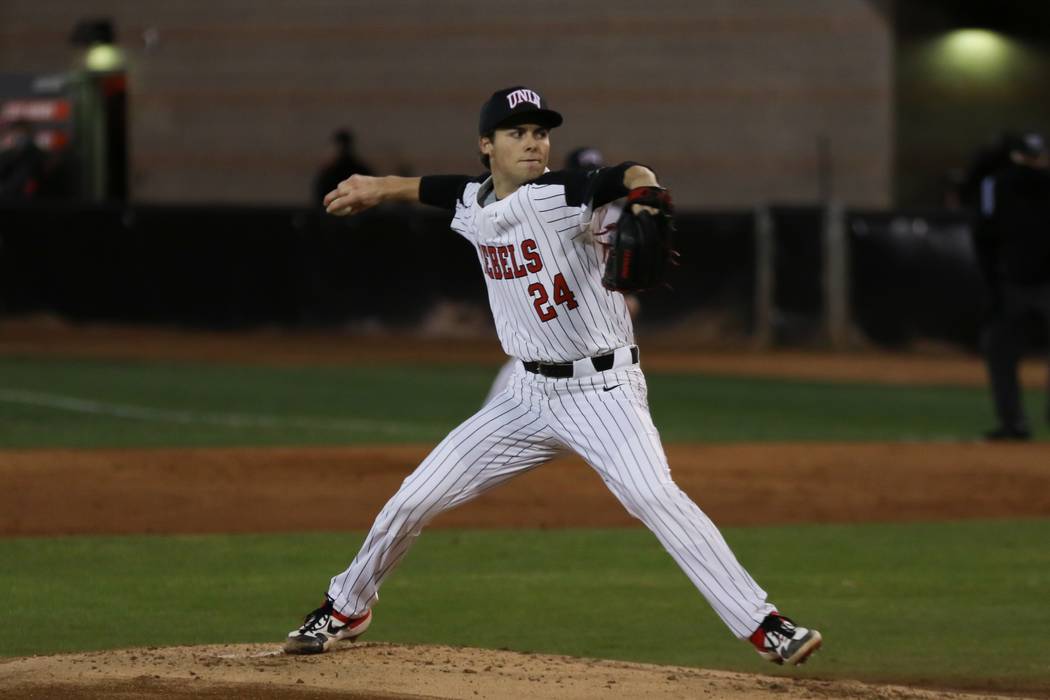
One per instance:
(781,275)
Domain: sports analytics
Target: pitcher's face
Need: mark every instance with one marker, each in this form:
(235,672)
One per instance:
(518,154)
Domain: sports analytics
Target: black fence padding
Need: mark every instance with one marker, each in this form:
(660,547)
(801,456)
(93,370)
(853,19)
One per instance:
(798,260)
(715,269)
(211,267)
(913,274)
(233,267)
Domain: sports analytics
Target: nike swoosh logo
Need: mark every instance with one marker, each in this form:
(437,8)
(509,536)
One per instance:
(610,388)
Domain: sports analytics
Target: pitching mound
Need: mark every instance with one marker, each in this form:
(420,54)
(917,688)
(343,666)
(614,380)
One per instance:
(388,671)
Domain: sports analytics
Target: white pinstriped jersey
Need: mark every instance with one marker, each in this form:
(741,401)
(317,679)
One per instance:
(541,253)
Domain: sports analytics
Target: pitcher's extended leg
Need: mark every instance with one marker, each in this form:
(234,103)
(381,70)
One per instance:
(612,430)
(503,439)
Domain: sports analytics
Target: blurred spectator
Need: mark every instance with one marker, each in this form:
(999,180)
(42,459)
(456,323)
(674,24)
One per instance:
(990,158)
(344,164)
(1013,244)
(585,158)
(950,186)
(22,163)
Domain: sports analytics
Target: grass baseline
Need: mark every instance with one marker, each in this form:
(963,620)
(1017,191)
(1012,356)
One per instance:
(912,603)
(94,403)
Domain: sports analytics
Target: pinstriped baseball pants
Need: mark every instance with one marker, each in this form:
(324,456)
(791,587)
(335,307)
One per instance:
(535,418)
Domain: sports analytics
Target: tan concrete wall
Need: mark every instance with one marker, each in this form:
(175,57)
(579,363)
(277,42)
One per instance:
(725,98)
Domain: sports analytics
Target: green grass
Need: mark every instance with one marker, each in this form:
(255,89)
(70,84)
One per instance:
(140,404)
(952,603)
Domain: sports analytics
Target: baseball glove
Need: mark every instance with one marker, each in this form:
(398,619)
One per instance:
(641,249)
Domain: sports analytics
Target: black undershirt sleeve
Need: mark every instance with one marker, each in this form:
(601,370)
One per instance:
(442,190)
(606,184)
(597,187)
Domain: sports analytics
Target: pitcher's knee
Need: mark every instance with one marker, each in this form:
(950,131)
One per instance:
(421,509)
(644,505)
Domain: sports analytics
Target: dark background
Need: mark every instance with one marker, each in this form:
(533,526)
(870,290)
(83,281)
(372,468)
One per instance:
(913,274)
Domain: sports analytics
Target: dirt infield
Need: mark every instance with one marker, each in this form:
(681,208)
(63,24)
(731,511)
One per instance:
(189,491)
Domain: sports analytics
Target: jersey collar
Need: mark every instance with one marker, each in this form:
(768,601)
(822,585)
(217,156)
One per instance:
(485,191)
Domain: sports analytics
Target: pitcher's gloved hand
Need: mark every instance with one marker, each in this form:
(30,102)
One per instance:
(642,246)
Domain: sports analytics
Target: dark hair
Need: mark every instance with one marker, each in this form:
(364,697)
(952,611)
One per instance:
(485,160)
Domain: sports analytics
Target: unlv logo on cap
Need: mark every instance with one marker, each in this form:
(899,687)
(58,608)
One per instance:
(523,95)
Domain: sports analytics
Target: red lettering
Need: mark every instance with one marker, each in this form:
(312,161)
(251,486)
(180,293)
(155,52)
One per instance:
(536,290)
(497,273)
(485,259)
(562,293)
(531,257)
(519,271)
(508,273)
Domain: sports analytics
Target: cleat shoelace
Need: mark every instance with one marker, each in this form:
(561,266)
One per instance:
(315,620)
(779,630)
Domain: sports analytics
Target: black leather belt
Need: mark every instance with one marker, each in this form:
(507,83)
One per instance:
(601,363)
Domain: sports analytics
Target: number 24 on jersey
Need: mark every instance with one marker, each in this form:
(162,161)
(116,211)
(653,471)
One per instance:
(545,305)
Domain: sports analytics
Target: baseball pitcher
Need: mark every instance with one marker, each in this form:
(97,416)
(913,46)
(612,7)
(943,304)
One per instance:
(556,287)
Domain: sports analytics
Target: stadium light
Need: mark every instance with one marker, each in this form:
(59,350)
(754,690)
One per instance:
(98,37)
(104,58)
(976,52)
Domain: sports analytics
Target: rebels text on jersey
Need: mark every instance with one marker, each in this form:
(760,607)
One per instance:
(541,251)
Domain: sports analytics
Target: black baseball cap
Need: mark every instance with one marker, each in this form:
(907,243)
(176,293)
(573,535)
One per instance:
(516,105)
(1030,143)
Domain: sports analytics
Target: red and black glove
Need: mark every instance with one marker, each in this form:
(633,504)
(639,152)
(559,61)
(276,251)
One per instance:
(642,246)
